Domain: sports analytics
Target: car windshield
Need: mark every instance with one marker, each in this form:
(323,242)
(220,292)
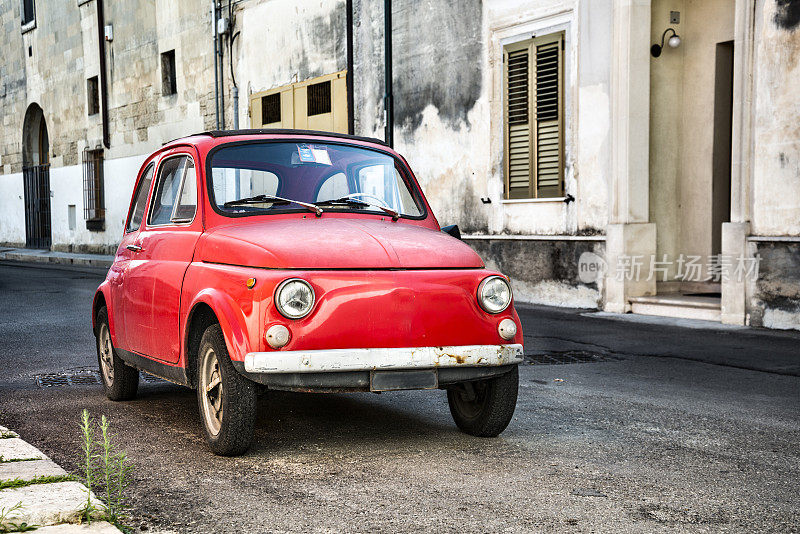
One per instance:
(269,177)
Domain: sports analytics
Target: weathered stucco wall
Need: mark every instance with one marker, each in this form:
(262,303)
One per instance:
(544,271)
(304,40)
(50,65)
(775,296)
(776,121)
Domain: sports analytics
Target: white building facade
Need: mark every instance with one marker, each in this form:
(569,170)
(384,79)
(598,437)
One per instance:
(595,171)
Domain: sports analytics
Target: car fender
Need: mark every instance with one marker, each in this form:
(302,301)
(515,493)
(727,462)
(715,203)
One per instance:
(231,320)
(105,291)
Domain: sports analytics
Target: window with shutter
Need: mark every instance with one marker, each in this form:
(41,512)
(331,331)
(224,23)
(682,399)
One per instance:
(534,117)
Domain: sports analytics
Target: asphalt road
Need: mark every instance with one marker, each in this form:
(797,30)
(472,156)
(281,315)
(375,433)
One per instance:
(668,429)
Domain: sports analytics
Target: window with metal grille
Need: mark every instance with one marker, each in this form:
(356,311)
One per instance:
(534,117)
(271,108)
(28,11)
(319,98)
(93,190)
(92,96)
(169,81)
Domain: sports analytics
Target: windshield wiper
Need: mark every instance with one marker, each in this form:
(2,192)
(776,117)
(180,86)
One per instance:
(259,199)
(350,201)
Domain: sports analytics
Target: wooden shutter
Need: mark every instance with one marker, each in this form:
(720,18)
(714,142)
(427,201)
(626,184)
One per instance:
(534,106)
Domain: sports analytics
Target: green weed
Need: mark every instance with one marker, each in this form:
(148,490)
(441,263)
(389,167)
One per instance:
(8,526)
(106,471)
(19,483)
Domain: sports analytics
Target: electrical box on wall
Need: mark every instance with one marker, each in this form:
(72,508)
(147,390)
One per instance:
(674,17)
(222,26)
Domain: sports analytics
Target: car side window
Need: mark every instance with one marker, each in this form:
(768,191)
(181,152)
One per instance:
(137,210)
(187,200)
(172,202)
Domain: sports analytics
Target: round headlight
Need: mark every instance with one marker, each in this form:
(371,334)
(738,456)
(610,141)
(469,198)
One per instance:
(294,298)
(494,294)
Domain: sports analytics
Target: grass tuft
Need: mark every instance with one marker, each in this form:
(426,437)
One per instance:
(106,472)
(8,526)
(10,460)
(19,483)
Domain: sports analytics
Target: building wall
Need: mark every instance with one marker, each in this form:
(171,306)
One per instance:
(448,83)
(63,55)
(776,139)
(774,299)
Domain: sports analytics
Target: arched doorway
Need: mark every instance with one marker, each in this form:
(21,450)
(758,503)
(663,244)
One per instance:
(36,174)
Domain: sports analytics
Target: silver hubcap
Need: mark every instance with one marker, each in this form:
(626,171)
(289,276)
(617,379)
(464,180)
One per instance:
(106,355)
(211,391)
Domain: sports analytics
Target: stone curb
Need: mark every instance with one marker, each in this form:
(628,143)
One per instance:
(58,258)
(55,506)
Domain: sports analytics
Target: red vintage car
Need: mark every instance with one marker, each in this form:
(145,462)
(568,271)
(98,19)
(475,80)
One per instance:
(301,261)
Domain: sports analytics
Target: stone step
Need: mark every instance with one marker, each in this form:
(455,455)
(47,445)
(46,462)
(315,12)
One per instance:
(47,504)
(679,306)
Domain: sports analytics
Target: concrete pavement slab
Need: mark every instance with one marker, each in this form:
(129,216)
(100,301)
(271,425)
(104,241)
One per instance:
(30,470)
(46,504)
(61,258)
(17,449)
(97,527)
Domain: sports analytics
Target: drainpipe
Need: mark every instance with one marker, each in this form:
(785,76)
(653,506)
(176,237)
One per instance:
(235,90)
(351,112)
(216,70)
(103,82)
(221,61)
(388,101)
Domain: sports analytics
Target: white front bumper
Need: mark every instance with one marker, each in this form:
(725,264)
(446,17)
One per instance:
(320,361)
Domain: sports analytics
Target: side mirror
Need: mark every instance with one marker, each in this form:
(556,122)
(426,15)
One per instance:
(452,230)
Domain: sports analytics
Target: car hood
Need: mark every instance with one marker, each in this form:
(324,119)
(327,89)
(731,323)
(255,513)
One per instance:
(334,243)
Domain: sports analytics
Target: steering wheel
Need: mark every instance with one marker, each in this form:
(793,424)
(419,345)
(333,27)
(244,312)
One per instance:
(380,200)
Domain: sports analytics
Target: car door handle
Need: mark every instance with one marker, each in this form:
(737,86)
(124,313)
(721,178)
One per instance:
(134,248)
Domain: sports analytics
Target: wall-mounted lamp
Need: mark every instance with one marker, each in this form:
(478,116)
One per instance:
(674,42)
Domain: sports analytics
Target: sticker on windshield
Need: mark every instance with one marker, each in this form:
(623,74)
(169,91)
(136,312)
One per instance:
(321,155)
(306,154)
(314,154)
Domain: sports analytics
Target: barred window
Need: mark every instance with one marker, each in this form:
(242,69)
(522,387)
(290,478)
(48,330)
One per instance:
(94,210)
(534,117)
(319,98)
(271,109)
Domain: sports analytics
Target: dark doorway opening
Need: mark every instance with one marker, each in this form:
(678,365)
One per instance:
(36,176)
(721,157)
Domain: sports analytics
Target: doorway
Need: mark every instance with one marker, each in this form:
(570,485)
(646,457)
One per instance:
(36,177)
(721,155)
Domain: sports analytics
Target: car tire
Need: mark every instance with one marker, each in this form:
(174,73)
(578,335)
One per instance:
(120,381)
(484,407)
(226,399)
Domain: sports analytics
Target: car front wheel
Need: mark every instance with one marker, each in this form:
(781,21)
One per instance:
(120,381)
(484,407)
(226,399)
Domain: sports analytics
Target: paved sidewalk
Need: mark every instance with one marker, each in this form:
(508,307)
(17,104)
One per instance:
(42,493)
(28,255)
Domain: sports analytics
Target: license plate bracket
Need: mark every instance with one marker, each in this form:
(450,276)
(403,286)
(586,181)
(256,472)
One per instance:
(402,380)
